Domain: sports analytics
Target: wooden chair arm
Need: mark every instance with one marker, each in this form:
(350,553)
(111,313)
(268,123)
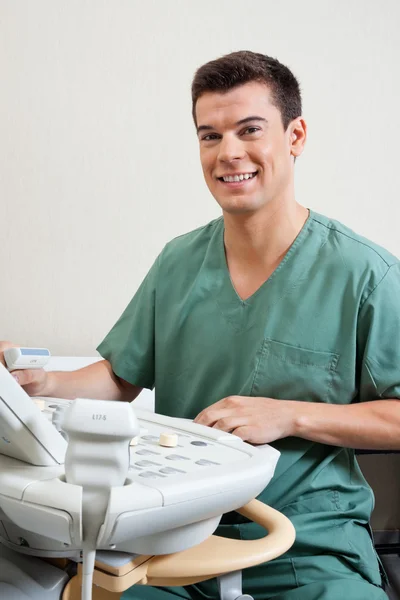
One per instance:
(213,557)
(216,555)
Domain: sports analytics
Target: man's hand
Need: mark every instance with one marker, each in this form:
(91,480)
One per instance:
(373,425)
(97,381)
(34,381)
(255,420)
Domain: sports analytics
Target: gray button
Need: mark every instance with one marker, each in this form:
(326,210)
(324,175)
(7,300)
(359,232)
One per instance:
(149,438)
(177,457)
(149,475)
(199,443)
(147,463)
(171,470)
(146,452)
(206,463)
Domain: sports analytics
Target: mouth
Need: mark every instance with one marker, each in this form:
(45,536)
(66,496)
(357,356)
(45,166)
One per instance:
(237,179)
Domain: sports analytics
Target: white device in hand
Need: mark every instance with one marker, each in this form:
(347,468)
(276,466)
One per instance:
(24,433)
(97,458)
(26,358)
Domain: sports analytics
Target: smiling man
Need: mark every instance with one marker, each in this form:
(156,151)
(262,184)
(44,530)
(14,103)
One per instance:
(272,322)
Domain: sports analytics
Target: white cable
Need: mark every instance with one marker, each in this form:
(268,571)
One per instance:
(89,556)
(94,506)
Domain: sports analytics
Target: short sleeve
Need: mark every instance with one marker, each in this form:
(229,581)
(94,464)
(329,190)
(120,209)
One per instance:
(379,339)
(129,346)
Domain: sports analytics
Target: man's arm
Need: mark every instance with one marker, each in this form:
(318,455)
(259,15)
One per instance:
(373,425)
(94,381)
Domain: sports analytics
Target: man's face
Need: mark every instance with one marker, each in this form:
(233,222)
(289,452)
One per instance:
(246,156)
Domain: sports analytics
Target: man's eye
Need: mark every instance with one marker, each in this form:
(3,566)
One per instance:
(210,137)
(251,130)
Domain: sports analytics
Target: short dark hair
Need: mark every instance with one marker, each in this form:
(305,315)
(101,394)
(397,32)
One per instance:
(238,68)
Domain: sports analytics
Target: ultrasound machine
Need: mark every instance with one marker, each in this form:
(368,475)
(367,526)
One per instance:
(101,495)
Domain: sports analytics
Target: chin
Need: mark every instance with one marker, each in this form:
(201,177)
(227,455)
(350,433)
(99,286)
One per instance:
(239,206)
(238,210)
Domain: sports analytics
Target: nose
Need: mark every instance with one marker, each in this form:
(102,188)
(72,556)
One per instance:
(230,148)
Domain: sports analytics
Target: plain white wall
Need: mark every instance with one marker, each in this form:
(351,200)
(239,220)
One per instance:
(98,155)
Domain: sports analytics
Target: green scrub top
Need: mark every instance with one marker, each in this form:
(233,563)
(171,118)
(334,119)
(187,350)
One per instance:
(325,327)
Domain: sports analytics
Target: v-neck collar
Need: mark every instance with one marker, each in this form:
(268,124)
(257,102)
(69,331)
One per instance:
(238,311)
(297,241)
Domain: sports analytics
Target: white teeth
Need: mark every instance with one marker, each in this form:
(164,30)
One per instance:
(232,178)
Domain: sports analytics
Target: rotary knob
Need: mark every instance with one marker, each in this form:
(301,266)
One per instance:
(168,439)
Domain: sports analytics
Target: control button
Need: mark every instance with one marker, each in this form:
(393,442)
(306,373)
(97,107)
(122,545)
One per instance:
(206,463)
(147,463)
(134,441)
(150,438)
(176,457)
(171,470)
(170,440)
(146,452)
(150,475)
(199,443)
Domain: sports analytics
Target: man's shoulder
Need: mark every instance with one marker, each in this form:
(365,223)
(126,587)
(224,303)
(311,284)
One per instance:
(353,247)
(346,254)
(194,243)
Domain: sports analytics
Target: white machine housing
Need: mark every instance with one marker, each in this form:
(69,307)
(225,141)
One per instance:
(172,499)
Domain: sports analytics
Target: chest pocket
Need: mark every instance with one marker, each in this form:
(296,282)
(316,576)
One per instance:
(292,373)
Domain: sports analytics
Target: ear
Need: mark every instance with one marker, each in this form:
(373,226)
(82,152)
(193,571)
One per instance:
(297,136)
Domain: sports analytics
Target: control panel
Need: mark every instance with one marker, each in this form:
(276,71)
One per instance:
(167,446)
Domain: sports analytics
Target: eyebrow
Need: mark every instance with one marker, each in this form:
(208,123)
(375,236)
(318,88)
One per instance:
(241,122)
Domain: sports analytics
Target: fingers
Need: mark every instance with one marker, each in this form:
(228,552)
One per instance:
(211,415)
(246,433)
(3,346)
(223,419)
(223,407)
(28,376)
(239,425)
(229,424)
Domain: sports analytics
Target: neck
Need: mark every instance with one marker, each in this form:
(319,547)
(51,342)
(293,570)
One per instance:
(263,238)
